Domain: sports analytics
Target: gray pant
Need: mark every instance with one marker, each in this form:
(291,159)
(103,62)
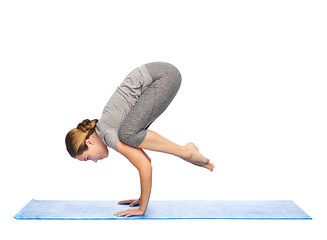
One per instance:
(151,104)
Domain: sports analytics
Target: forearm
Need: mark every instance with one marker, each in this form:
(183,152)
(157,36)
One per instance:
(146,184)
(143,165)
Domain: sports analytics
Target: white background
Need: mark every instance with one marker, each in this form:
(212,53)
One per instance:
(253,99)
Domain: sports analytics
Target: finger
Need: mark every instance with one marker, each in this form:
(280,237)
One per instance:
(133,204)
(119,214)
(129,201)
(123,213)
(125,202)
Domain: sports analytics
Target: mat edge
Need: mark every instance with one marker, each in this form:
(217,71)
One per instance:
(20,212)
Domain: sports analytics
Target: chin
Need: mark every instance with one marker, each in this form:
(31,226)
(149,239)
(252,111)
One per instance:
(107,154)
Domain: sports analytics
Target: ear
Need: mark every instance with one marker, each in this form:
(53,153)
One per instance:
(90,140)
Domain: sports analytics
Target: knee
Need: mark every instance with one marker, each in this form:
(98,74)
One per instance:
(175,74)
(132,139)
(160,69)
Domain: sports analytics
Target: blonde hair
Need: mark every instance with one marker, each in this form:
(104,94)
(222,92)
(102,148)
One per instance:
(76,138)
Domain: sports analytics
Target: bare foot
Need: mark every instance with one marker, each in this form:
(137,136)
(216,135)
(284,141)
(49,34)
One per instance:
(209,166)
(197,158)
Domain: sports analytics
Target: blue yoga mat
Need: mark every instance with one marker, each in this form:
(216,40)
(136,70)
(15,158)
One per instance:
(101,210)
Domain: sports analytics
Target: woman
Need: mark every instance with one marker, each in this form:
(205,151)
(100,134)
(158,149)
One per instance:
(142,97)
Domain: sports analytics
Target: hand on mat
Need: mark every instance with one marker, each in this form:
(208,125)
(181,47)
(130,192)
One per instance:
(131,202)
(130,212)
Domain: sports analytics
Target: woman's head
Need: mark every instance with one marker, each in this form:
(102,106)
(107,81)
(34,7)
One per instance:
(84,144)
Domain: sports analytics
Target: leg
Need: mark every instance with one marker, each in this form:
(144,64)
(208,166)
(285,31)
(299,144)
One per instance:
(146,155)
(155,142)
(150,105)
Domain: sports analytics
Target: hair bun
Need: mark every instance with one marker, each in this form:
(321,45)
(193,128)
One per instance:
(87,125)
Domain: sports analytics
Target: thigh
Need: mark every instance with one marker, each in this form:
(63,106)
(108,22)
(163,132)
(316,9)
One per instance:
(138,117)
(155,99)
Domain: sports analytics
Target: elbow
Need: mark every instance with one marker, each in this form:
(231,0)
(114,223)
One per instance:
(149,170)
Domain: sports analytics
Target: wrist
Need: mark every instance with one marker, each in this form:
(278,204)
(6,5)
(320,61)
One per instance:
(142,209)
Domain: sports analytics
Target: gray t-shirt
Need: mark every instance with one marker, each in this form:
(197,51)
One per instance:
(120,103)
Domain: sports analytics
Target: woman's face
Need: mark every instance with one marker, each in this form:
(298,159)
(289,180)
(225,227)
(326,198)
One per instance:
(97,150)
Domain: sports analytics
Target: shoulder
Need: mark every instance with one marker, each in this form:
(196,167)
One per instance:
(109,135)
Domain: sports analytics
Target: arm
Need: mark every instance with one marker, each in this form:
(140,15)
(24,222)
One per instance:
(141,162)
